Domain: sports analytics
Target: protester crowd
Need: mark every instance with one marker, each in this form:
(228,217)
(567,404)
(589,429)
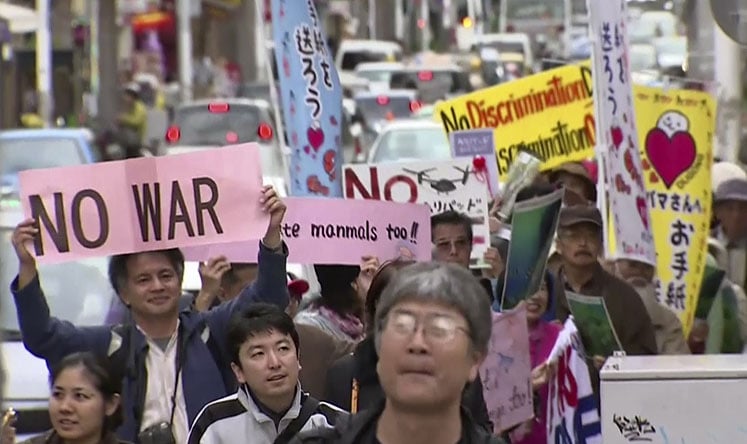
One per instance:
(388,352)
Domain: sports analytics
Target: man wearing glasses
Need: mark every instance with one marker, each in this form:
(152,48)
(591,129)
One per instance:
(432,328)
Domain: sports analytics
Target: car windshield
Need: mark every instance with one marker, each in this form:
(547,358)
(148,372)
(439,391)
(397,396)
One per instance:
(374,109)
(412,144)
(376,75)
(673,46)
(533,9)
(199,126)
(78,291)
(351,59)
(17,155)
(642,57)
(504,47)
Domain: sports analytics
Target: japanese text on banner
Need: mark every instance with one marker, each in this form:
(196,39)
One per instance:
(556,105)
(311,98)
(618,133)
(677,158)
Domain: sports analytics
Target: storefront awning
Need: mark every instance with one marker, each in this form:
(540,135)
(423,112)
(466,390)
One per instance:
(20,20)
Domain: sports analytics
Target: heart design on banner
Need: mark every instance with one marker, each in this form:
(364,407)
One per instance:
(670,147)
(617,136)
(641,205)
(315,137)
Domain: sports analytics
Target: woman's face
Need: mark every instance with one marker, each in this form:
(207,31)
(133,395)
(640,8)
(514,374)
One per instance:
(537,304)
(77,408)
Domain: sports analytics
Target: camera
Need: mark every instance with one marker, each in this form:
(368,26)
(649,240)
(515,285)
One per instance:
(157,434)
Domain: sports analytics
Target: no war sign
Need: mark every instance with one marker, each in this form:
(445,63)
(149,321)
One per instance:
(145,204)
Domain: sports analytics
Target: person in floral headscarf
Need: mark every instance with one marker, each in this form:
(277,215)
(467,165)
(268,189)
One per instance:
(339,310)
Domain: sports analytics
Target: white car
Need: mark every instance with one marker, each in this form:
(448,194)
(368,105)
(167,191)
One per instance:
(410,140)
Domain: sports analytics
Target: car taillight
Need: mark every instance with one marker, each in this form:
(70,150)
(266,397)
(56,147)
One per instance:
(232,137)
(264,131)
(425,76)
(173,134)
(415,106)
(382,100)
(219,108)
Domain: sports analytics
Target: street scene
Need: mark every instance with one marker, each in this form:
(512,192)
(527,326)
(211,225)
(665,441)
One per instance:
(373,221)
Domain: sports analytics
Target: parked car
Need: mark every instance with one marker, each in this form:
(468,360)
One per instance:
(209,124)
(41,148)
(410,140)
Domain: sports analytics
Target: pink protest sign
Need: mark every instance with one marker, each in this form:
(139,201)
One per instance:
(506,371)
(339,231)
(145,204)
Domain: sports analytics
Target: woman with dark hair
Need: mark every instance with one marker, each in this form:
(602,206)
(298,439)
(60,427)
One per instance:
(352,382)
(84,405)
(339,310)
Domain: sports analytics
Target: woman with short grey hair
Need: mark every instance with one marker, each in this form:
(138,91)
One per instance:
(446,284)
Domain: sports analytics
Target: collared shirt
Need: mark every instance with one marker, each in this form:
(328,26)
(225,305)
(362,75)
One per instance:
(160,365)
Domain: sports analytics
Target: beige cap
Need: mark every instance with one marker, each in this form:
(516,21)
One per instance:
(723,171)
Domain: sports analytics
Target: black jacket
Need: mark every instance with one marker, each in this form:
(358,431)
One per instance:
(361,365)
(361,429)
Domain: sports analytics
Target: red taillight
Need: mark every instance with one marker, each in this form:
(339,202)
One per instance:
(382,100)
(415,106)
(232,137)
(264,131)
(510,28)
(218,108)
(173,134)
(425,76)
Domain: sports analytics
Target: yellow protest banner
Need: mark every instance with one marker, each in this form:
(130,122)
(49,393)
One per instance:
(675,129)
(550,114)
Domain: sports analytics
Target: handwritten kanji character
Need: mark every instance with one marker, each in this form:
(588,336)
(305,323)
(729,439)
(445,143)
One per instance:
(679,264)
(319,43)
(618,37)
(304,44)
(676,296)
(606,37)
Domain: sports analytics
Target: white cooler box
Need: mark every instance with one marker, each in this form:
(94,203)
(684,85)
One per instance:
(674,399)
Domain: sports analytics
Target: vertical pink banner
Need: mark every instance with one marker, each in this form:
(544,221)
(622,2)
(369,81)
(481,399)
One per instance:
(506,371)
(145,204)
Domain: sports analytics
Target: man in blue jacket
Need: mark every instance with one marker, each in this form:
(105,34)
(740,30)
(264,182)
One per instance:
(173,363)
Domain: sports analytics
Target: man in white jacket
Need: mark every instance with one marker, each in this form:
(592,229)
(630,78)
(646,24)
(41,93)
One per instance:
(269,406)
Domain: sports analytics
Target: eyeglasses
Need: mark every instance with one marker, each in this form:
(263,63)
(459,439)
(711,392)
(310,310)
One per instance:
(437,328)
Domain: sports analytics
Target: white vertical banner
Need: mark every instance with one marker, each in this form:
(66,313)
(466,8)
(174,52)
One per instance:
(617,134)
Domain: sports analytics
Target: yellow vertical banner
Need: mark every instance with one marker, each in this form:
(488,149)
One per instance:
(675,129)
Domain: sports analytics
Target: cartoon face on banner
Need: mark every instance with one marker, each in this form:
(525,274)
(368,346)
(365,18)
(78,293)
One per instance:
(670,148)
(311,97)
(677,158)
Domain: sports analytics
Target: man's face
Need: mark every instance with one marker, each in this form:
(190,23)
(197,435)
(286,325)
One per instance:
(269,366)
(580,244)
(451,244)
(732,215)
(152,286)
(425,356)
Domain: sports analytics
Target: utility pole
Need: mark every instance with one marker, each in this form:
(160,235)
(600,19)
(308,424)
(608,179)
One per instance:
(105,60)
(184,47)
(44,62)
(384,20)
(248,40)
(729,87)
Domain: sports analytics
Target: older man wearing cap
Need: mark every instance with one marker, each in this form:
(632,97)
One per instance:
(579,244)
